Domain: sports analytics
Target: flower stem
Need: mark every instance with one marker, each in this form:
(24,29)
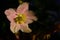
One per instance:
(34,36)
(17,36)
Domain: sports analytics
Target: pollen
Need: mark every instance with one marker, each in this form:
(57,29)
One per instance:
(21,18)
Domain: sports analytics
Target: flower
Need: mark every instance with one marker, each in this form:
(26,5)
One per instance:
(20,18)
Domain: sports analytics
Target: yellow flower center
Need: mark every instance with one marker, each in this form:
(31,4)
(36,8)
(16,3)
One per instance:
(21,18)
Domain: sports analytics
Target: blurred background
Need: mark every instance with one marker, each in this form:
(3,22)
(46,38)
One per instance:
(46,28)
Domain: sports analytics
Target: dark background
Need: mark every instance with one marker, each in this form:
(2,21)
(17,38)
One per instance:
(47,12)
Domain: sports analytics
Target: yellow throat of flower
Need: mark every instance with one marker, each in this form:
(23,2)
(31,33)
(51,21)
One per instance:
(21,18)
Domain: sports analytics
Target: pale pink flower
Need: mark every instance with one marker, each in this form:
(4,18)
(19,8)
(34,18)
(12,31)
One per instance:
(20,18)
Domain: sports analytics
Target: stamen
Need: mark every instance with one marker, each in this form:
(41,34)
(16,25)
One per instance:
(20,18)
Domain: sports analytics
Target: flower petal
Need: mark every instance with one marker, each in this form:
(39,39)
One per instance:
(30,15)
(9,12)
(14,27)
(11,17)
(32,18)
(17,28)
(22,8)
(28,21)
(25,28)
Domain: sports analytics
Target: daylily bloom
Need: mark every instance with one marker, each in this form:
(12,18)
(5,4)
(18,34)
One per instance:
(20,18)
